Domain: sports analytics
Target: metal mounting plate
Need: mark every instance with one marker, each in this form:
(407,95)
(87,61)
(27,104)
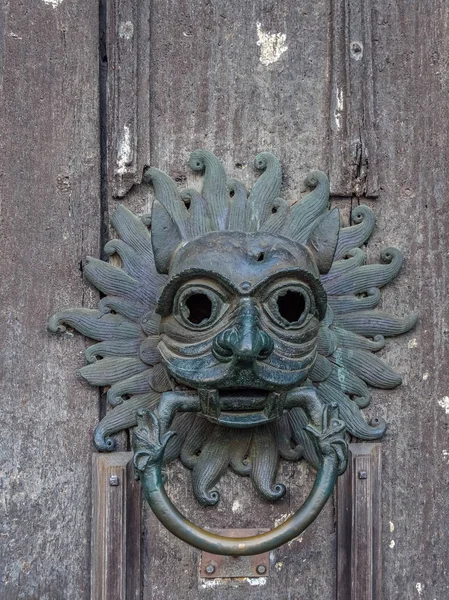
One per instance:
(216,566)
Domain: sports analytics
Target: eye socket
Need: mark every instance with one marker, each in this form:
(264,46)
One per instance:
(290,305)
(198,306)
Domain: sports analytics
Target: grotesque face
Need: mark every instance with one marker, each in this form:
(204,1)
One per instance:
(217,318)
(240,318)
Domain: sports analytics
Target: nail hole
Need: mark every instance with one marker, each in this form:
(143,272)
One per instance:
(260,257)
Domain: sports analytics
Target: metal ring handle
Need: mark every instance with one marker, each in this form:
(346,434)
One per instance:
(148,463)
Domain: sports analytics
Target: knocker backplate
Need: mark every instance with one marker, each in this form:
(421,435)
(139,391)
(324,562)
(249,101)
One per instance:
(217,566)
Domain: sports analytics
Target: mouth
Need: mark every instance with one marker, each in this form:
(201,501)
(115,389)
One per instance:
(241,408)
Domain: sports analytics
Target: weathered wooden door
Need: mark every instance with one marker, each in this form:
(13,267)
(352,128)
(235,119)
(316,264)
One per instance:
(93,91)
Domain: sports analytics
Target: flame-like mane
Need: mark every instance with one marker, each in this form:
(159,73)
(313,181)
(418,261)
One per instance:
(125,327)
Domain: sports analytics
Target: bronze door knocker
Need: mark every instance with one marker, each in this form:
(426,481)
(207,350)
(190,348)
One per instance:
(240,329)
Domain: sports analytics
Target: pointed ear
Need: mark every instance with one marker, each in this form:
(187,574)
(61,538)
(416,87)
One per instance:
(323,240)
(165,237)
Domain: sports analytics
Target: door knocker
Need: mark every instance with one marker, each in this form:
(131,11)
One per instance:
(238,330)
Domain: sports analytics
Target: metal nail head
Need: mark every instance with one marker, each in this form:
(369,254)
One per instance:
(114,480)
(363,475)
(261,569)
(210,569)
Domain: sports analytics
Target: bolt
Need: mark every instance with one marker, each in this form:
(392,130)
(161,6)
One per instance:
(210,569)
(363,475)
(261,569)
(114,480)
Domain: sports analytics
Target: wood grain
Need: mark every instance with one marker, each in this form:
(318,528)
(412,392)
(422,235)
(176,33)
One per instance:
(204,85)
(50,221)
(116,528)
(359,557)
(353,160)
(411,74)
(128,50)
(209,88)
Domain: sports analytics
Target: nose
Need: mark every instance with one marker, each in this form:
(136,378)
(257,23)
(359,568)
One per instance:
(244,340)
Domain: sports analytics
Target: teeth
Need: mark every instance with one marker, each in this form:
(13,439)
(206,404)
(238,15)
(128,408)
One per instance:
(210,402)
(275,405)
(211,406)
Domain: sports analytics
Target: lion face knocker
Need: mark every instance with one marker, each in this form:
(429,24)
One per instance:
(241,331)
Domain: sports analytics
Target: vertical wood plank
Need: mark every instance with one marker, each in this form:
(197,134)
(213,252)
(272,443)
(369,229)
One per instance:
(128,57)
(412,46)
(359,567)
(212,87)
(133,581)
(50,220)
(353,146)
(116,510)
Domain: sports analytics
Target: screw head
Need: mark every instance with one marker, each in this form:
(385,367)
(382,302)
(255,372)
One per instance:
(363,475)
(114,480)
(261,569)
(210,569)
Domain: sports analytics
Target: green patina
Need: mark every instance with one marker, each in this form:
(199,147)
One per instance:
(246,326)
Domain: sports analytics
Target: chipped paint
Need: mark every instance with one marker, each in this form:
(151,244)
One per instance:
(425,376)
(278,566)
(281,519)
(236,506)
(126,30)
(446,456)
(272,45)
(296,539)
(53,3)
(419,588)
(392,544)
(210,583)
(256,580)
(339,107)
(413,343)
(124,154)
(444,403)
(225,581)
(391,526)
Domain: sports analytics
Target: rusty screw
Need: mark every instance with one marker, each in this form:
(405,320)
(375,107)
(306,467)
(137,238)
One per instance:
(210,569)
(261,569)
(363,475)
(114,480)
